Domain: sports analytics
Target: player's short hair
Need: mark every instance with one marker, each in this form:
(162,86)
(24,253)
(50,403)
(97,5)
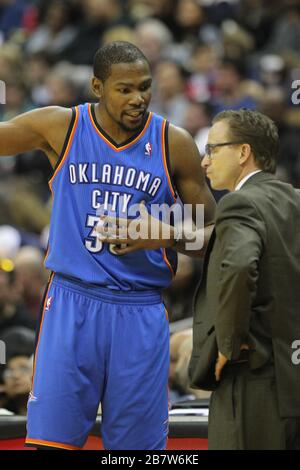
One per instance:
(257,130)
(115,53)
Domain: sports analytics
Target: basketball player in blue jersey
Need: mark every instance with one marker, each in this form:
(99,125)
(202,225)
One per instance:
(103,335)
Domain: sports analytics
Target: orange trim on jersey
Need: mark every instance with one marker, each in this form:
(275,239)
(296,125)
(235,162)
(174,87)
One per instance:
(41,327)
(51,444)
(46,255)
(163,145)
(168,262)
(48,250)
(118,149)
(167,316)
(67,148)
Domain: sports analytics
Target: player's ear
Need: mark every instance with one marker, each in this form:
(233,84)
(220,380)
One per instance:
(97,87)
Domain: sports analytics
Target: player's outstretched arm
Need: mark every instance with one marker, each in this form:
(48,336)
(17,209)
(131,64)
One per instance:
(43,129)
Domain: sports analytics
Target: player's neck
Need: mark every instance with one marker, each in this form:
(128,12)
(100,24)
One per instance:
(111,127)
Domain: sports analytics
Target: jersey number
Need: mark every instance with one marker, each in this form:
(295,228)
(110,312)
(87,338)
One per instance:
(92,242)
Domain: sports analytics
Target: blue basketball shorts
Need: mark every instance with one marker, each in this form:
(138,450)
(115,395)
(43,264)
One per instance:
(96,346)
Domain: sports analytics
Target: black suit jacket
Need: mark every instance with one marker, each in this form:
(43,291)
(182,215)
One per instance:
(250,287)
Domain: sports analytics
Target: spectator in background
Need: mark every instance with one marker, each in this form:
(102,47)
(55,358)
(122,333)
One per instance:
(162,10)
(272,70)
(181,344)
(5,216)
(32,276)
(258,17)
(169,98)
(10,241)
(119,33)
(56,30)
(12,311)
(153,38)
(237,42)
(61,88)
(98,17)
(285,36)
(11,15)
(36,71)
(197,121)
(192,23)
(231,89)
(17,383)
(27,208)
(274,105)
(17,99)
(180,306)
(203,64)
(10,61)
(17,374)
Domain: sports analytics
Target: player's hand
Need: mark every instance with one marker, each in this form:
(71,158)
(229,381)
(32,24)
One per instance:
(129,235)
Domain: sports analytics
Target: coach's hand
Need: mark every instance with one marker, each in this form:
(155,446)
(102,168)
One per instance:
(221,361)
(129,235)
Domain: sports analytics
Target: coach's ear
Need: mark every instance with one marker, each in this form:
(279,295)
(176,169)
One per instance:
(97,87)
(245,154)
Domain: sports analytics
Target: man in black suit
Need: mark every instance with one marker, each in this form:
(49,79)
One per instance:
(247,306)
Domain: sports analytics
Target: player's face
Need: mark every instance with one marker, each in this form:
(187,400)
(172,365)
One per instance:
(127,93)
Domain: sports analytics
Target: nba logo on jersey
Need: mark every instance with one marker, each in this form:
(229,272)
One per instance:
(49,303)
(32,397)
(148,149)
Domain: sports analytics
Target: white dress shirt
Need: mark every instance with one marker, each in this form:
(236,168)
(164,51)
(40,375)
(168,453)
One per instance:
(243,181)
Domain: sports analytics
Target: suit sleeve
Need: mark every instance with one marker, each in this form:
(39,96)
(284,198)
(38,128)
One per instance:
(241,236)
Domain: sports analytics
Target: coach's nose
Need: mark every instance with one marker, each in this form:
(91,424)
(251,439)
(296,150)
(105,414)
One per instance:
(205,161)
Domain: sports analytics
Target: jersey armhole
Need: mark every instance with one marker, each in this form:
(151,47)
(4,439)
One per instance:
(167,159)
(66,142)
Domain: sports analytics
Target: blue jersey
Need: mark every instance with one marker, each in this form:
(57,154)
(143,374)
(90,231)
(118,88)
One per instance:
(95,173)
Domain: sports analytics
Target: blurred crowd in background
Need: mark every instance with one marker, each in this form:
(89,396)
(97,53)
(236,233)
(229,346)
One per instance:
(205,56)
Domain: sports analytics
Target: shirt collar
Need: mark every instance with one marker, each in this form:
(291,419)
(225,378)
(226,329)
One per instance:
(243,181)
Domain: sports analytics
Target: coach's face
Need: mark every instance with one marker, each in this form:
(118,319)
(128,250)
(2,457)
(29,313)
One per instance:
(224,157)
(126,94)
